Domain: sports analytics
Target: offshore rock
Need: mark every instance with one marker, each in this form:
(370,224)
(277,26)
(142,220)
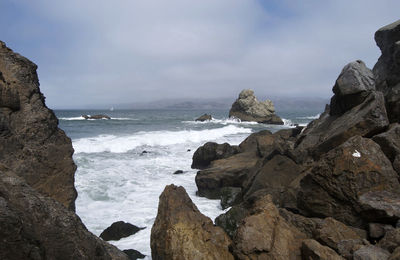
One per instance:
(248,108)
(205,117)
(211,151)
(336,182)
(351,88)
(119,230)
(31,144)
(180,231)
(387,69)
(33,226)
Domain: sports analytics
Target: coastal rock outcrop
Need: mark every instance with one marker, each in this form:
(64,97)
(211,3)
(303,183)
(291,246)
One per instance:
(205,117)
(180,231)
(212,151)
(31,144)
(248,108)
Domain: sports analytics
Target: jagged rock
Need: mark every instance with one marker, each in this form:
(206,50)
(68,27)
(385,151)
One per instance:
(180,231)
(347,247)
(248,108)
(371,253)
(327,132)
(387,69)
(351,88)
(96,117)
(211,151)
(31,144)
(305,225)
(133,254)
(340,177)
(391,240)
(119,230)
(229,196)
(378,230)
(205,117)
(331,232)
(381,206)
(229,172)
(231,220)
(33,226)
(389,142)
(311,249)
(264,234)
(275,177)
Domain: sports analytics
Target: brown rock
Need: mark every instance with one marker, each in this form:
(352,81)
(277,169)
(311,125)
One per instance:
(31,144)
(211,151)
(180,231)
(340,177)
(378,230)
(33,226)
(391,240)
(264,234)
(389,142)
(305,225)
(381,206)
(371,253)
(205,117)
(313,250)
(395,255)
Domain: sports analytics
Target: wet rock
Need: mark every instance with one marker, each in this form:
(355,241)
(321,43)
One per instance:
(211,151)
(381,206)
(205,117)
(311,249)
(133,254)
(31,144)
(180,231)
(328,132)
(229,195)
(391,240)
(264,234)
(96,117)
(371,253)
(119,230)
(336,182)
(248,108)
(33,226)
(231,220)
(178,172)
(351,88)
(378,230)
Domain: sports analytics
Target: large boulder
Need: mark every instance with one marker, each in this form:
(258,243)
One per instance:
(352,86)
(335,183)
(31,144)
(387,69)
(180,231)
(248,108)
(212,151)
(381,206)
(33,226)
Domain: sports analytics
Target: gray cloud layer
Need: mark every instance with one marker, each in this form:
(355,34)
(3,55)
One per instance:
(106,52)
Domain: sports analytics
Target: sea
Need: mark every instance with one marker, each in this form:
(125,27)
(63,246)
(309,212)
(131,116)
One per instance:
(125,163)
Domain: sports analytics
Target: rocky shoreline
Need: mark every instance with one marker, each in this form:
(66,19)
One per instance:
(328,191)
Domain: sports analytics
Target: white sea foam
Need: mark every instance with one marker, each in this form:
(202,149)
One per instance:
(309,117)
(82,118)
(226,121)
(122,144)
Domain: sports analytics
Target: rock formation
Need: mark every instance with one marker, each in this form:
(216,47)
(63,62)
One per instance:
(211,151)
(31,144)
(248,108)
(329,191)
(119,230)
(205,117)
(37,193)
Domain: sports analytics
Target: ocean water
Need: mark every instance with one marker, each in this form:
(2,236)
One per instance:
(116,181)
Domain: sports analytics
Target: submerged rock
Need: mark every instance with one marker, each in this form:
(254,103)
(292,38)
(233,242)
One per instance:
(31,144)
(248,108)
(180,231)
(205,117)
(133,254)
(119,230)
(178,172)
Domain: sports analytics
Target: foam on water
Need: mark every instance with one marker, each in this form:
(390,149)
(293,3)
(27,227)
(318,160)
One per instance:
(122,144)
(226,121)
(310,117)
(82,118)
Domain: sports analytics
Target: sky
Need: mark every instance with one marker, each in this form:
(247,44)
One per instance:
(102,52)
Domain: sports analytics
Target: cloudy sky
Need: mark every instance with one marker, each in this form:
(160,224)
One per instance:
(103,52)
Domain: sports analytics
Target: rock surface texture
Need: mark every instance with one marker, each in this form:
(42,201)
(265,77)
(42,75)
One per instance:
(37,193)
(248,108)
(31,144)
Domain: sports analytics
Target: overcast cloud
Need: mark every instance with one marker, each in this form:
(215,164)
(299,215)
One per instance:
(105,52)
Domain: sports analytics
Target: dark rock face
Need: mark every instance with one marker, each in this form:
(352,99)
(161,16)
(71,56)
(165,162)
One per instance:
(133,254)
(381,206)
(31,144)
(248,108)
(351,87)
(389,142)
(343,175)
(96,117)
(180,231)
(33,226)
(229,196)
(205,117)
(119,230)
(211,151)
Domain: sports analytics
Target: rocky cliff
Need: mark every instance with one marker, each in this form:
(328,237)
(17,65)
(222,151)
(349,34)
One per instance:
(37,193)
(248,108)
(328,191)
